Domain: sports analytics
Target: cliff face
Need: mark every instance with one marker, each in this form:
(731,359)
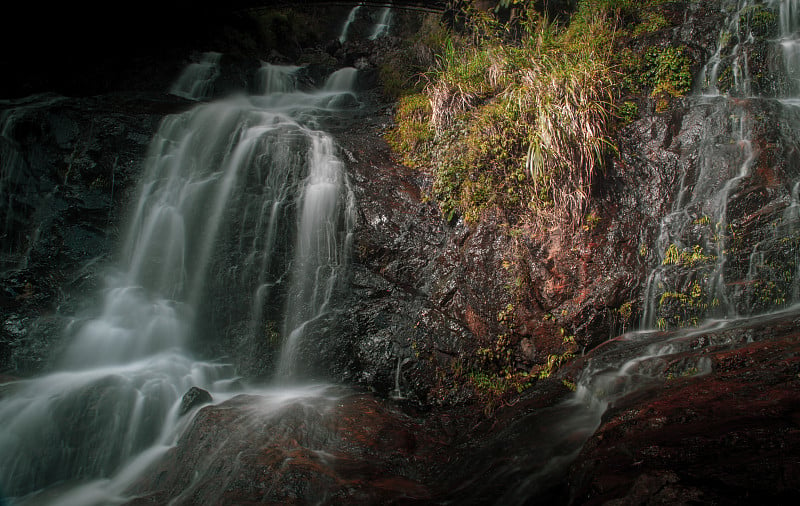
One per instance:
(427,295)
(69,165)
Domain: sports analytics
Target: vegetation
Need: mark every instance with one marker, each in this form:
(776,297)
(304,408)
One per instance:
(516,116)
(522,108)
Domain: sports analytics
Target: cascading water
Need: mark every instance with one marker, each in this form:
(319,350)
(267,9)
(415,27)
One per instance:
(277,78)
(246,171)
(383,24)
(196,82)
(380,28)
(790,42)
(719,255)
(342,81)
(349,21)
(714,258)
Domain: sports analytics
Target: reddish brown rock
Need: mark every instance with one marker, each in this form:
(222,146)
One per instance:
(728,437)
(341,448)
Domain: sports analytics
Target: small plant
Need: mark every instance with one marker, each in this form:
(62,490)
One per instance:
(626,311)
(628,112)
(668,71)
(686,257)
(672,256)
(554,362)
(590,222)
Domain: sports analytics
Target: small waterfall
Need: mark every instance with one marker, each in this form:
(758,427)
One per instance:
(236,195)
(397,393)
(713,263)
(383,24)
(790,41)
(196,82)
(349,21)
(319,254)
(277,78)
(343,80)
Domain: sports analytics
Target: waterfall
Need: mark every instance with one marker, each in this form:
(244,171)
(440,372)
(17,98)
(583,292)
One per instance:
(790,40)
(383,24)
(319,255)
(349,21)
(379,29)
(343,80)
(277,78)
(196,82)
(240,195)
(714,260)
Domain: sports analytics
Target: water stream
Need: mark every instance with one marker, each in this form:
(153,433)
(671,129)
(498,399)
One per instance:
(711,245)
(725,264)
(261,170)
(383,24)
(253,165)
(380,28)
(196,82)
(349,21)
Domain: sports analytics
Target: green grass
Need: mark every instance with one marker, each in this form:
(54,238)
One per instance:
(522,126)
(522,116)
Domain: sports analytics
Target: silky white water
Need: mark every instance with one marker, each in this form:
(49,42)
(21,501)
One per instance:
(251,171)
(696,267)
(277,78)
(196,82)
(349,21)
(383,24)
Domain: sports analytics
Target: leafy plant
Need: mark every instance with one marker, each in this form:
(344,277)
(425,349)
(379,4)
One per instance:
(668,71)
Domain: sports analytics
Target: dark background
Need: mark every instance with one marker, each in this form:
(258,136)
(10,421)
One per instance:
(75,48)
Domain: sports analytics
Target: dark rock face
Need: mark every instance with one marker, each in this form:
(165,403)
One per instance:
(404,279)
(193,398)
(68,168)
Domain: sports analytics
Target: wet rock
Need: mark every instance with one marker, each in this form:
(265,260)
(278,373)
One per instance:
(721,436)
(340,447)
(69,164)
(193,398)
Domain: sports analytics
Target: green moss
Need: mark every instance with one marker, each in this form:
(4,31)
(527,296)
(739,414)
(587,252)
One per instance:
(759,20)
(412,128)
(652,22)
(668,71)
